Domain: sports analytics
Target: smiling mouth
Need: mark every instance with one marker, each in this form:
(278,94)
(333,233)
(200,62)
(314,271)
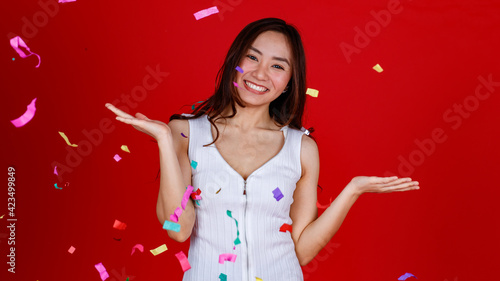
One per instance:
(255,87)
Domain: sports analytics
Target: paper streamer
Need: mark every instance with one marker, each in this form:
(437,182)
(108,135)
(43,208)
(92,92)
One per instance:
(223,277)
(378,68)
(277,194)
(168,225)
(71,250)
(405,276)
(239,69)
(119,225)
(205,13)
(194,164)
(237,240)
(27,116)
(63,135)
(16,42)
(117,157)
(226,257)
(183,261)
(286,227)
(125,148)
(312,92)
(139,247)
(185,197)
(175,216)
(159,250)
(102,271)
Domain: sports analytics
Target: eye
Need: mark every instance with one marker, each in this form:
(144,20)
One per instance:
(251,57)
(278,67)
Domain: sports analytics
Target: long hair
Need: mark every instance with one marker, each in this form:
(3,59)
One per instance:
(288,108)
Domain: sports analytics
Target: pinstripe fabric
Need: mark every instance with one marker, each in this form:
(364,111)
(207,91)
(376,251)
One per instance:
(264,251)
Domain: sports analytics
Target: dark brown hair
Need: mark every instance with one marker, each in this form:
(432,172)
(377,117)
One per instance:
(288,108)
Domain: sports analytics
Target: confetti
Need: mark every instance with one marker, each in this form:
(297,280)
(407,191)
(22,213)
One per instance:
(183,135)
(183,261)
(55,171)
(71,250)
(223,277)
(117,157)
(185,197)
(66,1)
(57,187)
(218,190)
(192,107)
(258,279)
(286,227)
(27,116)
(168,225)
(237,240)
(16,42)
(226,257)
(312,92)
(205,13)
(194,164)
(405,276)
(378,68)
(239,69)
(196,195)
(63,135)
(159,250)
(2,216)
(175,216)
(102,271)
(125,148)
(139,247)
(119,225)
(277,194)
(235,84)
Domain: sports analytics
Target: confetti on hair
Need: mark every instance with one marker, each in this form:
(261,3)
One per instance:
(194,164)
(102,271)
(237,240)
(63,135)
(378,68)
(16,42)
(227,257)
(223,277)
(159,250)
(119,225)
(183,135)
(71,250)
(139,247)
(239,69)
(192,107)
(125,148)
(286,227)
(117,157)
(405,276)
(205,13)
(27,116)
(168,225)
(183,261)
(277,194)
(312,92)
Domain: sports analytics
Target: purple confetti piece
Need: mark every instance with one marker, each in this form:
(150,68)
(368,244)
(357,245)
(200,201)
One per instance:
(183,135)
(277,194)
(405,276)
(239,69)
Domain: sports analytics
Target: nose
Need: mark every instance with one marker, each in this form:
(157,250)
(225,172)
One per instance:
(260,72)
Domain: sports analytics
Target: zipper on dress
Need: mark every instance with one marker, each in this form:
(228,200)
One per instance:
(245,187)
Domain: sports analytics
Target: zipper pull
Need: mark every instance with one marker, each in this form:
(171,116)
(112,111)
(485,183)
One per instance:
(245,188)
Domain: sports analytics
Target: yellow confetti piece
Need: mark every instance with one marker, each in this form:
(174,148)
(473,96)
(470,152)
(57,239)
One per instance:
(159,250)
(378,68)
(63,135)
(312,92)
(2,216)
(125,148)
(258,279)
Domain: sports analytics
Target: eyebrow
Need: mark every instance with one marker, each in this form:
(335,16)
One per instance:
(274,58)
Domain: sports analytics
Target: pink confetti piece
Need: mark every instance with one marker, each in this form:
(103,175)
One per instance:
(117,158)
(139,247)
(205,13)
(27,116)
(183,261)
(102,271)
(175,216)
(16,42)
(405,276)
(71,250)
(66,1)
(185,197)
(196,195)
(239,69)
(235,84)
(55,170)
(227,257)
(119,225)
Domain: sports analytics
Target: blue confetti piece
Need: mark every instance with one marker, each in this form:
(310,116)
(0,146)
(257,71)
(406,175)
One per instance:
(239,69)
(172,226)
(194,164)
(405,276)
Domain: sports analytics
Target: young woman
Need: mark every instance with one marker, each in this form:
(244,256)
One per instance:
(257,168)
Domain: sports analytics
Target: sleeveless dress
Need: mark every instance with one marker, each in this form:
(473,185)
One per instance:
(252,232)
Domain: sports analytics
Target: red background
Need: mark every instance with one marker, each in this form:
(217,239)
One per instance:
(92,52)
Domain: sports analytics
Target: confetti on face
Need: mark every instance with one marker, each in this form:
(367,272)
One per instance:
(183,261)
(239,69)
(227,257)
(16,42)
(102,271)
(139,247)
(194,164)
(405,276)
(63,135)
(159,250)
(235,84)
(119,225)
(183,135)
(277,194)
(27,116)
(286,227)
(378,68)
(117,157)
(312,92)
(71,250)
(223,277)
(125,148)
(237,240)
(168,225)
(205,13)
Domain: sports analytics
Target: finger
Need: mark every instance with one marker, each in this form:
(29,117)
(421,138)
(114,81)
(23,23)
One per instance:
(394,182)
(131,121)
(118,112)
(141,116)
(402,187)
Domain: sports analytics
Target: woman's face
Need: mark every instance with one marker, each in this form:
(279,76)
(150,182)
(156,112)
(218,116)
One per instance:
(267,68)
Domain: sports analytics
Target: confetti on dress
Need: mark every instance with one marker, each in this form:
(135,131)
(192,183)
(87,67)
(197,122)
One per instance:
(16,42)
(125,148)
(277,194)
(183,261)
(139,247)
(227,257)
(119,225)
(27,116)
(117,157)
(258,279)
(286,227)
(196,195)
(378,68)
(63,135)
(194,164)
(186,195)
(312,92)
(159,250)
(237,240)
(102,271)
(223,277)
(405,276)
(168,225)
(205,13)
(71,250)
(239,69)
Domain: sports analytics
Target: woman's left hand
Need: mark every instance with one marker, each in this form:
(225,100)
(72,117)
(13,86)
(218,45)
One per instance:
(363,184)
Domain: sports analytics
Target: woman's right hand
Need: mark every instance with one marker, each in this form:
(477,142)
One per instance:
(156,129)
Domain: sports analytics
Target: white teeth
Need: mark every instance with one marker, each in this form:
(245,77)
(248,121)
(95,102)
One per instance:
(255,87)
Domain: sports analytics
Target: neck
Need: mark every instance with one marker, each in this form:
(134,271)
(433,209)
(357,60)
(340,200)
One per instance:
(249,118)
